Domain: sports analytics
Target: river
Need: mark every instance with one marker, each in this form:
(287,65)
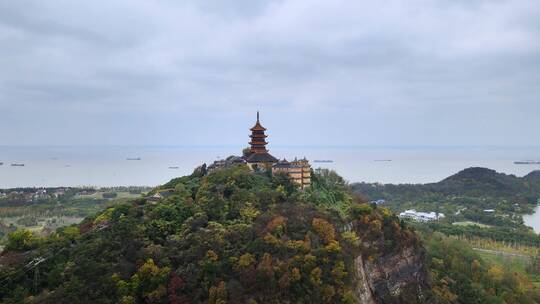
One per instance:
(533,220)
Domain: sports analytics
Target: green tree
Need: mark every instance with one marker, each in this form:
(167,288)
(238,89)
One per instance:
(21,240)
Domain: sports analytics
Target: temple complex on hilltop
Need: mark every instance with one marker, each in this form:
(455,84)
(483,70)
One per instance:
(257,158)
(299,171)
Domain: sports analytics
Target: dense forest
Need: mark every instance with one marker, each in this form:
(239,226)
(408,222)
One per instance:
(236,236)
(229,236)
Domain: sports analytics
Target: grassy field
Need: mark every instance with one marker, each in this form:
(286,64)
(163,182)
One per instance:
(505,247)
(58,213)
(514,263)
(99,195)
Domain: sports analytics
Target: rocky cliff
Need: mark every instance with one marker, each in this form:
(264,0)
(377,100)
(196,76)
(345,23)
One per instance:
(398,277)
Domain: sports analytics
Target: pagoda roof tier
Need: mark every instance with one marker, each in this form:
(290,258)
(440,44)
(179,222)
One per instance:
(262,143)
(258,135)
(261,157)
(258,127)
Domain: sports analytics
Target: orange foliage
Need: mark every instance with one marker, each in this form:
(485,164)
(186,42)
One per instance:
(275,223)
(324,229)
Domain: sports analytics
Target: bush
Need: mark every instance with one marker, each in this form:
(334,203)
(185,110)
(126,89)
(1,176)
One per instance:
(359,210)
(21,240)
(110,195)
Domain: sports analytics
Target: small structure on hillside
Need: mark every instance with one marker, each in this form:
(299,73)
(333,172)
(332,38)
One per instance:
(224,163)
(378,202)
(161,194)
(421,216)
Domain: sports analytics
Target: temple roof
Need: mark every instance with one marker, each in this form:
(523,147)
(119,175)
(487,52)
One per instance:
(258,135)
(282,164)
(258,127)
(264,157)
(260,142)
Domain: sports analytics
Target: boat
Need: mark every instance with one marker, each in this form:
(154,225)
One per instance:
(1,164)
(383,160)
(17,165)
(173,167)
(323,161)
(527,162)
(133,158)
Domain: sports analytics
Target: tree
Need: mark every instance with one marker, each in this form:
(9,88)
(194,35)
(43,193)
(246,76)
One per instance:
(148,283)
(324,229)
(21,240)
(218,294)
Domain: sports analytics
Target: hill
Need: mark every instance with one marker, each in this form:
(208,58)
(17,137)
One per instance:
(534,176)
(472,182)
(232,236)
(475,196)
(482,181)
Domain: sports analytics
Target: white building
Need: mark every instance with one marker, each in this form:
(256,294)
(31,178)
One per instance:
(378,202)
(421,216)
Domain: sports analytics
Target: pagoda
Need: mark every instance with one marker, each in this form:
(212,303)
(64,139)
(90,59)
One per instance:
(258,156)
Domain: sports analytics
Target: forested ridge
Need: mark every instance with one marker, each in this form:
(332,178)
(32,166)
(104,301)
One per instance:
(231,236)
(236,236)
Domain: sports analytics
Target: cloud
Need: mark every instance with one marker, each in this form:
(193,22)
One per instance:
(417,70)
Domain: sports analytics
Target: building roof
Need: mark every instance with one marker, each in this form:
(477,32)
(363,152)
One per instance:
(264,157)
(282,164)
(166,193)
(421,215)
(229,161)
(258,127)
(235,159)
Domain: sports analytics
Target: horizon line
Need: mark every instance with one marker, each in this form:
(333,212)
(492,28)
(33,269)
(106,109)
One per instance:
(390,146)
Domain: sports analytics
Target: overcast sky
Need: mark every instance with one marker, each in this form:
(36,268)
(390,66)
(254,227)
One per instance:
(383,73)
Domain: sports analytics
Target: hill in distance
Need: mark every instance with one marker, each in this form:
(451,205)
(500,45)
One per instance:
(481,180)
(478,181)
(471,182)
(534,176)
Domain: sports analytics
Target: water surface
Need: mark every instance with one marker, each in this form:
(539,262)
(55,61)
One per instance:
(533,220)
(107,166)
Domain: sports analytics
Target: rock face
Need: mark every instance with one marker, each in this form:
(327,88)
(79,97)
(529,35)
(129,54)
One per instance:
(398,277)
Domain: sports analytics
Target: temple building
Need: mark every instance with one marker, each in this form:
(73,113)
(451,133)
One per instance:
(299,171)
(258,158)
